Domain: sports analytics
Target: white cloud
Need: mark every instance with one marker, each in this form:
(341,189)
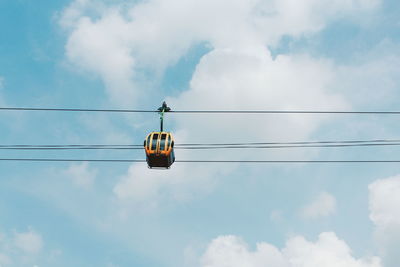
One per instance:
(75,11)
(118,42)
(20,248)
(384,203)
(276,216)
(141,185)
(4,260)
(369,70)
(297,18)
(250,79)
(81,174)
(29,242)
(327,251)
(122,42)
(101,48)
(241,79)
(323,205)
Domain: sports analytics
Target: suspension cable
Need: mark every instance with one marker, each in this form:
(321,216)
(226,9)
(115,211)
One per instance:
(203,111)
(199,161)
(194,146)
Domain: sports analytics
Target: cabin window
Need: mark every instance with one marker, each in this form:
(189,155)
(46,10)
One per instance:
(148,141)
(154,142)
(169,142)
(162,142)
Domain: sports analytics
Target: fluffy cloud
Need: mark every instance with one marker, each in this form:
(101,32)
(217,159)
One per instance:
(4,260)
(101,48)
(324,205)
(141,185)
(29,242)
(250,79)
(81,174)
(384,203)
(20,248)
(242,79)
(299,18)
(119,42)
(123,43)
(327,251)
(375,68)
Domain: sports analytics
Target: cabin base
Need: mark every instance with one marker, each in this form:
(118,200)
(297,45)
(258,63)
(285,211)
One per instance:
(160,161)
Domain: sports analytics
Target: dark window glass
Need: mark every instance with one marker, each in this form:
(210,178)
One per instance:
(162,142)
(154,142)
(148,141)
(169,142)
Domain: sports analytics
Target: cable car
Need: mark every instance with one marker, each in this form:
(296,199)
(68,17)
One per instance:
(159,147)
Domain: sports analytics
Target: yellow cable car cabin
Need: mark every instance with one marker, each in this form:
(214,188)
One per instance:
(159,147)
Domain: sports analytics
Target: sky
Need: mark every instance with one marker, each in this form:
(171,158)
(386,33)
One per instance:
(199,55)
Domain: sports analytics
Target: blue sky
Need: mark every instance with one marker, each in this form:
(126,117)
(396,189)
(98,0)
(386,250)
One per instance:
(261,54)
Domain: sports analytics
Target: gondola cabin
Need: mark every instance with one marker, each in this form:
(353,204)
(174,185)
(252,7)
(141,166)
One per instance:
(159,147)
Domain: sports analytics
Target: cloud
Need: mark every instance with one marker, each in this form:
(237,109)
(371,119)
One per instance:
(322,206)
(29,242)
(376,68)
(327,251)
(232,251)
(276,216)
(304,18)
(123,42)
(100,48)
(20,248)
(250,79)
(81,174)
(4,260)
(76,10)
(384,202)
(141,185)
(241,79)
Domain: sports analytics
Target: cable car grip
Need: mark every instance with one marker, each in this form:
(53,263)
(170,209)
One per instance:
(161,110)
